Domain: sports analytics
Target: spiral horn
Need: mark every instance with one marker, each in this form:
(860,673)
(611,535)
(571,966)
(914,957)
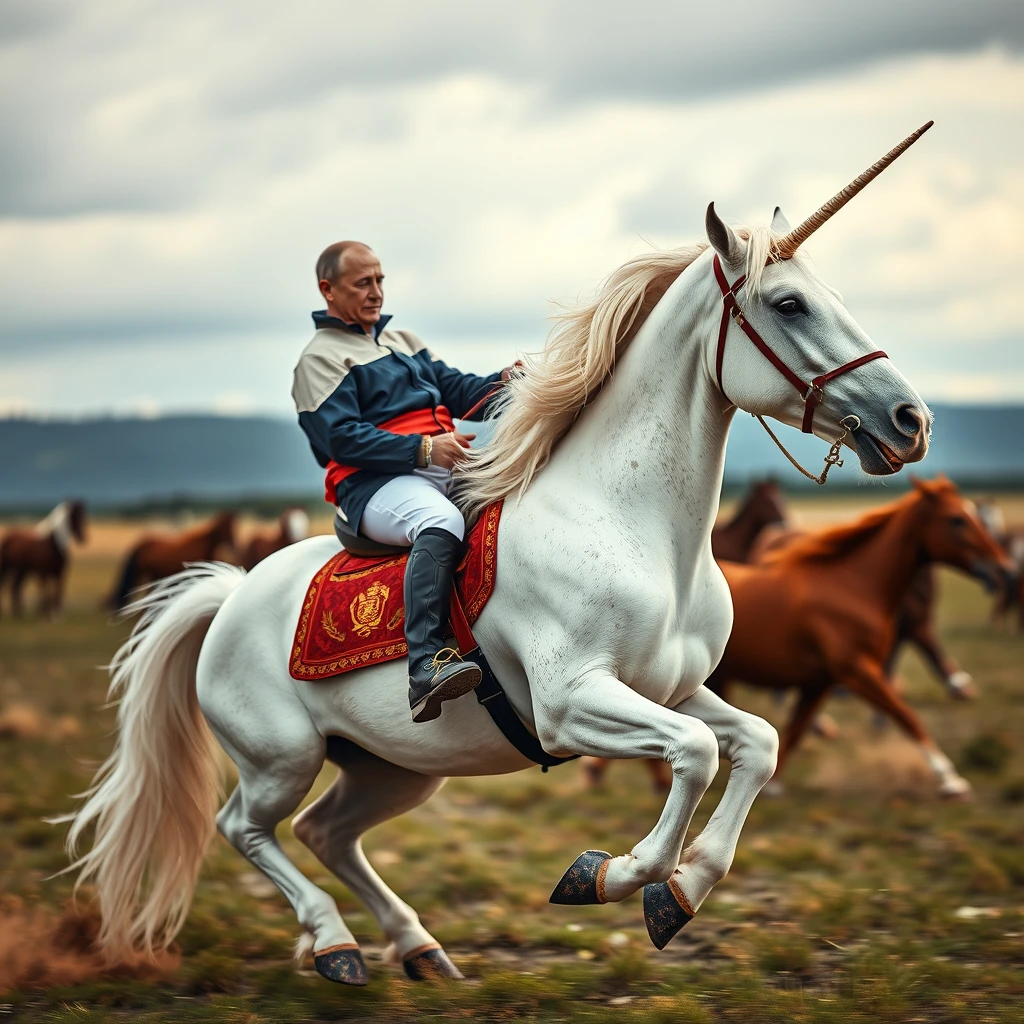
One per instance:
(786,246)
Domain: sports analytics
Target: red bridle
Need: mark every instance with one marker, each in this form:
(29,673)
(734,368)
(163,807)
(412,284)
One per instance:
(813,393)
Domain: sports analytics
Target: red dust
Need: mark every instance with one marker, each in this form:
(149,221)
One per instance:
(39,950)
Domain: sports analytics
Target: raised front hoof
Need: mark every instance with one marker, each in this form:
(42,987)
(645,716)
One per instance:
(431,964)
(583,883)
(343,964)
(961,686)
(666,910)
(958,789)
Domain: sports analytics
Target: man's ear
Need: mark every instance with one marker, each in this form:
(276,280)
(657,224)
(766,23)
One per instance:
(325,288)
(780,226)
(724,240)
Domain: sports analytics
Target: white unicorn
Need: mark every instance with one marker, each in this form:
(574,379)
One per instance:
(608,614)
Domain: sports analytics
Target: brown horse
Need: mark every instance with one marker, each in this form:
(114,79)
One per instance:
(764,506)
(822,612)
(1011,595)
(293,525)
(43,552)
(153,558)
(915,622)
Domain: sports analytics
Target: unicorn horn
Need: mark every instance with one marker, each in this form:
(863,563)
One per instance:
(786,246)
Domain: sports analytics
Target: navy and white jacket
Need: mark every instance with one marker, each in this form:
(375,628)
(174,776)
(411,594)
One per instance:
(348,383)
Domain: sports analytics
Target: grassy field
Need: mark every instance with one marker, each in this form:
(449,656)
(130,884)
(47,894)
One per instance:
(856,896)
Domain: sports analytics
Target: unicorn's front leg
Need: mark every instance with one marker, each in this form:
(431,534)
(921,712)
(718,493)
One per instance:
(750,745)
(601,716)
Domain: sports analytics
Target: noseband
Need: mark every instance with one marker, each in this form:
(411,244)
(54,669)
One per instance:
(813,393)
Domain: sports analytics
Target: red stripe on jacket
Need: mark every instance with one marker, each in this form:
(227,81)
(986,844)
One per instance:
(419,421)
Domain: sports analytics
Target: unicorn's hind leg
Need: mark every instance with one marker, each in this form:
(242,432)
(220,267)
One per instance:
(277,766)
(369,791)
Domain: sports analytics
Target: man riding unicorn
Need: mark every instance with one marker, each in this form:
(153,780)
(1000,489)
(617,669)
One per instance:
(378,407)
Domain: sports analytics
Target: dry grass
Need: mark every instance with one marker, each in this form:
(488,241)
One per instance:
(856,896)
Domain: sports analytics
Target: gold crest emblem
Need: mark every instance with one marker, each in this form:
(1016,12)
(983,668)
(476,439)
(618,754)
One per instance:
(367,608)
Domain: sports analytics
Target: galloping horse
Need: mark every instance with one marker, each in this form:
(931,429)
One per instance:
(602,636)
(155,558)
(914,621)
(764,506)
(43,552)
(822,611)
(293,525)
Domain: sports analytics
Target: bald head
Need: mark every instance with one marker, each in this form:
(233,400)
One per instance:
(352,283)
(332,260)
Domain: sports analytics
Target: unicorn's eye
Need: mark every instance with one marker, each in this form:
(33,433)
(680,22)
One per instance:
(788,307)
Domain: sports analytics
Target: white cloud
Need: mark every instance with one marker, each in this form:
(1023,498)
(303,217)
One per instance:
(485,200)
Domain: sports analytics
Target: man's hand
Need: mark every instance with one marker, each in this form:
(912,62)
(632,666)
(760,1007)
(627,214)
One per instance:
(448,450)
(512,371)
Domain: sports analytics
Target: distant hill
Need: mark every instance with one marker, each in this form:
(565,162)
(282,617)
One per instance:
(117,462)
(123,461)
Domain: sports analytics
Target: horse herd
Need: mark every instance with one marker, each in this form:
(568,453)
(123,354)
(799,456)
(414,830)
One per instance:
(814,612)
(43,552)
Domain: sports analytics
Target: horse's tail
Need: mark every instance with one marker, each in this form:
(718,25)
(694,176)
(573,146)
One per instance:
(126,581)
(153,801)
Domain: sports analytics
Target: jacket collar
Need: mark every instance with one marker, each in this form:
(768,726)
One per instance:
(322,319)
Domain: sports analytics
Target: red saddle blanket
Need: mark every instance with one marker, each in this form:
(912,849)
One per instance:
(354,611)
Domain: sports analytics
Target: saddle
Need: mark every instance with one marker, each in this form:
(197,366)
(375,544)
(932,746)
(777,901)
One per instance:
(354,609)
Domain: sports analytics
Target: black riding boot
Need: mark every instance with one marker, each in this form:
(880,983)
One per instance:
(436,673)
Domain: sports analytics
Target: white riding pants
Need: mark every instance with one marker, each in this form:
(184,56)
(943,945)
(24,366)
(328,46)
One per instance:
(409,504)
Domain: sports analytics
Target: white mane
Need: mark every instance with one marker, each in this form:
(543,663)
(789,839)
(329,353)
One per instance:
(538,408)
(57,524)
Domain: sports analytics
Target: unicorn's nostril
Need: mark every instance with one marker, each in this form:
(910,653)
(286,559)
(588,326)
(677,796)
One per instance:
(910,420)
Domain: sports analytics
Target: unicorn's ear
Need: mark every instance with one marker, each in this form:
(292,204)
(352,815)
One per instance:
(725,241)
(780,226)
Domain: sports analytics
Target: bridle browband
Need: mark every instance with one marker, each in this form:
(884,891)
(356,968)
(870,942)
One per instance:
(813,394)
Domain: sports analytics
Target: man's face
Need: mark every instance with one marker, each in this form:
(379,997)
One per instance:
(356,295)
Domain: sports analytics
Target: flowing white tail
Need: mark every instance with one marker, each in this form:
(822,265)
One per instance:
(154,800)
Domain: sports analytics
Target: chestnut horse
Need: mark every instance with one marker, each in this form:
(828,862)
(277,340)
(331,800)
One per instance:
(914,621)
(293,526)
(155,558)
(43,552)
(822,611)
(764,506)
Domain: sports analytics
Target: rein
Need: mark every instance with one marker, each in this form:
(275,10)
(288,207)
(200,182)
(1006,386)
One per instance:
(813,393)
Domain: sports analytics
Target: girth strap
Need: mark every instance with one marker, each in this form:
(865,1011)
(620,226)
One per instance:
(813,394)
(495,700)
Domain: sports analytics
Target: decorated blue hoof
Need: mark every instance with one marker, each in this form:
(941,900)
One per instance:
(666,910)
(431,963)
(343,964)
(583,883)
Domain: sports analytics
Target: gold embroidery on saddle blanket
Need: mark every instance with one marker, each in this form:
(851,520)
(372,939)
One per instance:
(353,613)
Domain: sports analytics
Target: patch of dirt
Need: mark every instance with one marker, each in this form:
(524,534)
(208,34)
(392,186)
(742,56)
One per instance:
(887,764)
(21,720)
(39,949)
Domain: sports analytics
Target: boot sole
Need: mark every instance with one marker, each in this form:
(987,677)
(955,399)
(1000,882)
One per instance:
(427,708)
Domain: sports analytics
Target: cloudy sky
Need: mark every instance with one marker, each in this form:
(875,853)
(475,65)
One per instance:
(170,172)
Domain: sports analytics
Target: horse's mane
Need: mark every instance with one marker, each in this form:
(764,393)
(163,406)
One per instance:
(539,406)
(53,519)
(207,527)
(840,540)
